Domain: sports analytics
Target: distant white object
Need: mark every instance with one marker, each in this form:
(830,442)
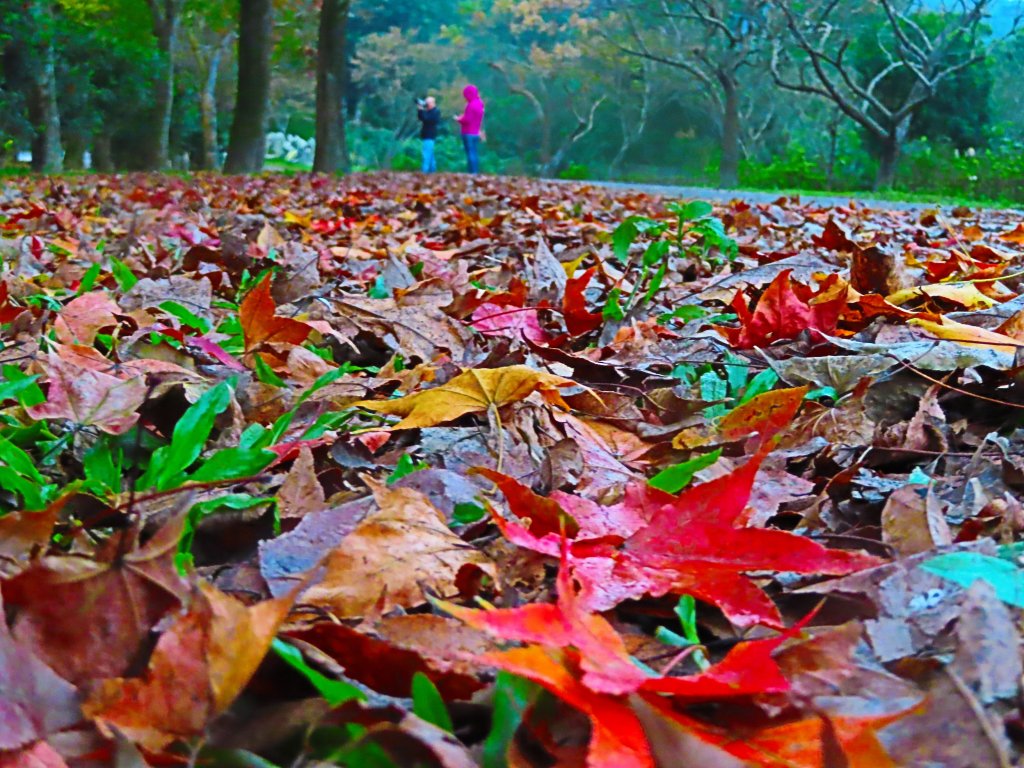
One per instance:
(24,156)
(294,149)
(87,159)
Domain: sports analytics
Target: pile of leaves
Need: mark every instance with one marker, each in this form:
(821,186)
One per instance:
(450,472)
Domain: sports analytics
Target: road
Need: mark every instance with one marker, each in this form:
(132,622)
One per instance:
(751,196)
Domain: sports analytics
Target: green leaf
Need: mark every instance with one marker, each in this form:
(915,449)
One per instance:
(512,695)
(612,309)
(185,315)
(255,436)
(379,290)
(965,568)
(695,209)
(686,313)
(32,494)
(736,372)
(822,392)
(656,281)
(405,466)
(334,691)
(623,237)
(675,478)
(232,463)
(19,461)
(168,463)
(712,389)
(21,386)
(427,703)
(466,513)
(124,277)
(102,467)
(88,279)
(763,382)
(656,252)
(266,374)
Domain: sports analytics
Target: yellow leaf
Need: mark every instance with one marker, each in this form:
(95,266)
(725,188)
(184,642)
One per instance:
(965,294)
(290,217)
(472,391)
(968,335)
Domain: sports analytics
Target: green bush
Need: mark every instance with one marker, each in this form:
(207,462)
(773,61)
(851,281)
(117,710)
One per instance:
(575,172)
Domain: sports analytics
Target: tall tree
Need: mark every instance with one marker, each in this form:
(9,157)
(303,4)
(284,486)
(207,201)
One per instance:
(881,101)
(166,15)
(248,142)
(27,34)
(714,41)
(207,59)
(331,148)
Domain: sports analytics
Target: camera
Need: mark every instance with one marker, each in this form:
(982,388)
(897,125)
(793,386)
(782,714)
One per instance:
(421,102)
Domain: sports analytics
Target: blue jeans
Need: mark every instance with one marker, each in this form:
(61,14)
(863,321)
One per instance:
(472,145)
(429,159)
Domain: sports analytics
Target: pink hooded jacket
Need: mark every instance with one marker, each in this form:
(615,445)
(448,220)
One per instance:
(472,119)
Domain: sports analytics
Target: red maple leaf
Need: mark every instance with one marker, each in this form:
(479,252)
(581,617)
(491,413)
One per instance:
(579,657)
(784,310)
(578,319)
(693,543)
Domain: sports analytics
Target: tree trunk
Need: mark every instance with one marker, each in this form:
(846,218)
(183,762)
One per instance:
(47,153)
(165,29)
(208,101)
(247,145)
(892,148)
(102,154)
(887,162)
(729,169)
(74,151)
(331,149)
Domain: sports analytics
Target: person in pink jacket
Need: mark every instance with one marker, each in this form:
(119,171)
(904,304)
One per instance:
(472,121)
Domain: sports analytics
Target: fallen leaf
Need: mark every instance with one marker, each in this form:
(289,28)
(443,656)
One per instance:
(399,549)
(472,391)
(90,398)
(199,666)
(260,323)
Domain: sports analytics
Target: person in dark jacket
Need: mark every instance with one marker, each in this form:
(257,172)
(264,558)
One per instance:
(430,118)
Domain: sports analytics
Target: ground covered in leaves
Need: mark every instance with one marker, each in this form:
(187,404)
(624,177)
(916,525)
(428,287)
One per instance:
(456,472)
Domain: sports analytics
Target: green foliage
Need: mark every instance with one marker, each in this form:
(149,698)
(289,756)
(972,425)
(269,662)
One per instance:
(675,478)
(427,703)
(686,612)
(512,695)
(964,568)
(405,466)
(336,692)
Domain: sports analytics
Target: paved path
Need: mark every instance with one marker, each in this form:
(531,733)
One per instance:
(760,196)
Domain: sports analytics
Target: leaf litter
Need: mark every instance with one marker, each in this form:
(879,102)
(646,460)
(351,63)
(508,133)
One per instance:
(497,472)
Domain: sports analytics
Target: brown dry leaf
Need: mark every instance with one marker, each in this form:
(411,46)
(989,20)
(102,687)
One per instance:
(199,666)
(397,550)
(90,618)
(472,391)
(301,492)
(260,324)
(23,532)
(913,522)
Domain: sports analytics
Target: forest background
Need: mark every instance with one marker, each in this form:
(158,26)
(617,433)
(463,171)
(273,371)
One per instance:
(920,97)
